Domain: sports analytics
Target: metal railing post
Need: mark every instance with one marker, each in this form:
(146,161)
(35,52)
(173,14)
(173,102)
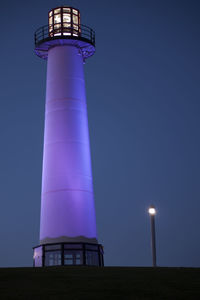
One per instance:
(91,34)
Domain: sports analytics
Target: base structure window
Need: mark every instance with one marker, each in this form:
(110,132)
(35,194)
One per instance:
(53,258)
(72,257)
(68,254)
(92,258)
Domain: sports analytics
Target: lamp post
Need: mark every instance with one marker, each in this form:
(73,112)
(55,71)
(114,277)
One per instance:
(152,213)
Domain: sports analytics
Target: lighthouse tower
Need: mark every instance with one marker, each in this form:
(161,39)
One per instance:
(67,225)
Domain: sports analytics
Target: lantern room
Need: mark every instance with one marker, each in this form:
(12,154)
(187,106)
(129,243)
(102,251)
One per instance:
(64,21)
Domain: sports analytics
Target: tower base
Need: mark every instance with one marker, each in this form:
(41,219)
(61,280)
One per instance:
(68,254)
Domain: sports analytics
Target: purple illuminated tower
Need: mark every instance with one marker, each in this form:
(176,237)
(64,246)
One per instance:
(67,225)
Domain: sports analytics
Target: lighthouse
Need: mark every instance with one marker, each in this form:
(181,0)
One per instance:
(67,222)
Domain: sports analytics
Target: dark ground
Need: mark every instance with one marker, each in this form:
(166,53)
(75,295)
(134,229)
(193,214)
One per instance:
(99,283)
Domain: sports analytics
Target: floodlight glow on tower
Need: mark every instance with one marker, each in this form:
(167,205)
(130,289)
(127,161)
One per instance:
(67,224)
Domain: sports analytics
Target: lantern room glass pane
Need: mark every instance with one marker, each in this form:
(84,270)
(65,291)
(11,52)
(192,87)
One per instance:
(50,28)
(75,11)
(75,19)
(56,11)
(66,9)
(67,18)
(57,19)
(50,21)
(66,25)
(50,13)
(57,26)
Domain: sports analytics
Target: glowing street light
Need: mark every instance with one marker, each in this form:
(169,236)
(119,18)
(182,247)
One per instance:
(152,213)
(152,210)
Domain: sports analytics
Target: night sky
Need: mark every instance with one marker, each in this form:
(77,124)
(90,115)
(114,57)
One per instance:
(143,96)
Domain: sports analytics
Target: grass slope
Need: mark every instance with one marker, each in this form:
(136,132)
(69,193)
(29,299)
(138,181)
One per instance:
(90,283)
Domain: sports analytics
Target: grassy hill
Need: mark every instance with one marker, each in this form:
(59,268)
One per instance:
(90,283)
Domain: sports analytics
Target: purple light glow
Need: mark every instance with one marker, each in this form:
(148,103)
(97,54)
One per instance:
(67,209)
(38,257)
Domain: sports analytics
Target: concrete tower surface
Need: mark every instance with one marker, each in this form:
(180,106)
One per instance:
(67,225)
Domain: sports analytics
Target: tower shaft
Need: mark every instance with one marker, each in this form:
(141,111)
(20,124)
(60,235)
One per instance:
(67,209)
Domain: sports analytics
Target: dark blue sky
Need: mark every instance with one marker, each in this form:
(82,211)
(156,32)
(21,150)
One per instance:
(143,96)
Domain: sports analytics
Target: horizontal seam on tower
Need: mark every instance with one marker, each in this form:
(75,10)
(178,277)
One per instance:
(67,77)
(79,174)
(68,141)
(53,110)
(65,99)
(63,190)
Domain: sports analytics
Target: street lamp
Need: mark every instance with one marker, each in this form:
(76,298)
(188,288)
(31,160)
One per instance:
(152,213)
